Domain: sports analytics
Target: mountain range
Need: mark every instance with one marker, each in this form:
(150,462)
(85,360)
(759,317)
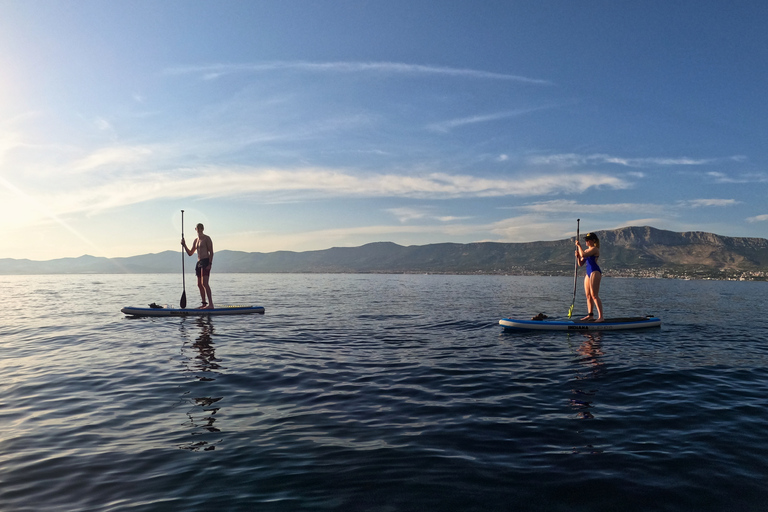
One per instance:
(638,251)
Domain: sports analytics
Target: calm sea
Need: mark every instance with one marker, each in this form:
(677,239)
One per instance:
(380,393)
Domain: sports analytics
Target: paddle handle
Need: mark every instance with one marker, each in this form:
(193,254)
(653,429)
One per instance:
(578,221)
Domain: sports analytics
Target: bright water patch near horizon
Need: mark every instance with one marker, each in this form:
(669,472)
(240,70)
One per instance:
(380,393)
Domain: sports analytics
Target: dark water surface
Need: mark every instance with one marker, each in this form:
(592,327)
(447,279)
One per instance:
(380,393)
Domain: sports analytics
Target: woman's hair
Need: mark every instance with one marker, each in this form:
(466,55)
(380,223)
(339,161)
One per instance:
(593,238)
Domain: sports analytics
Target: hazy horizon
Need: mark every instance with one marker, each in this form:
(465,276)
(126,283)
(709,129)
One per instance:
(194,256)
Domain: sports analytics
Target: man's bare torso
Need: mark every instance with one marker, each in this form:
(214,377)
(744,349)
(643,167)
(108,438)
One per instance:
(203,244)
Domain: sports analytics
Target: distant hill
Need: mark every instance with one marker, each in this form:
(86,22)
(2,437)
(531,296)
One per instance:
(641,251)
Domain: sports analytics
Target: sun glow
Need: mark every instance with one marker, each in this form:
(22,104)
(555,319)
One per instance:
(23,211)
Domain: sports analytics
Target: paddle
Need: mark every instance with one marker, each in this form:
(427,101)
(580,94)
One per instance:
(183,301)
(575,273)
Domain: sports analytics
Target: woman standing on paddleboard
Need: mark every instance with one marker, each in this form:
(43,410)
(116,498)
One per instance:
(589,257)
(204,247)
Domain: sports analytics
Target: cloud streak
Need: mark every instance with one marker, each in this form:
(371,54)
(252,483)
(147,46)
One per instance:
(570,206)
(705,203)
(720,177)
(117,156)
(446,126)
(405,215)
(214,71)
(574,159)
(213,182)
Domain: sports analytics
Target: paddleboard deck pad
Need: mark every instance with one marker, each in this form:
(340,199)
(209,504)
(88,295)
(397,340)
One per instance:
(610,324)
(167,311)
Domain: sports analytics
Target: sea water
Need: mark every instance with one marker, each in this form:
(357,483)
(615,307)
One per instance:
(380,393)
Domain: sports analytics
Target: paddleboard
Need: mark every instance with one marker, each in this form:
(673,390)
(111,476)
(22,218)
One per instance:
(610,324)
(167,311)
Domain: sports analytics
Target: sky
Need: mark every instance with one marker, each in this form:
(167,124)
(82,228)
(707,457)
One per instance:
(307,124)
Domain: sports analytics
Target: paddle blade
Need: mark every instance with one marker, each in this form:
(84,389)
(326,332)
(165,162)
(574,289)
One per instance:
(570,311)
(183,301)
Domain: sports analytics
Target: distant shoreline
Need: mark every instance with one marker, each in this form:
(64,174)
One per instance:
(641,252)
(635,274)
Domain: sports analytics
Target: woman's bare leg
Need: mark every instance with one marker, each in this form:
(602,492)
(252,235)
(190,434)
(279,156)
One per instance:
(588,293)
(595,290)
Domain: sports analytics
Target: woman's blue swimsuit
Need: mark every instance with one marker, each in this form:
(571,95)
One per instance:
(592,265)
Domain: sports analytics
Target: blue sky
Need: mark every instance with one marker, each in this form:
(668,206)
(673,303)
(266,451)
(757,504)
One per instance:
(301,125)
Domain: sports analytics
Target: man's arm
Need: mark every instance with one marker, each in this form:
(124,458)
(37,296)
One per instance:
(189,251)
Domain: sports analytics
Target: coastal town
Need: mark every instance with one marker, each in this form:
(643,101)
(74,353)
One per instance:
(704,273)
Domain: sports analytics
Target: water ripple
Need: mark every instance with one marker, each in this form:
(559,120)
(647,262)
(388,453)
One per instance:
(386,393)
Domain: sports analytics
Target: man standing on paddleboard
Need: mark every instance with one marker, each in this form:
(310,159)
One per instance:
(204,247)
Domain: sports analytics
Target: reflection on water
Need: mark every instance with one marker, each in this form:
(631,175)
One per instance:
(591,352)
(205,362)
(204,365)
(589,369)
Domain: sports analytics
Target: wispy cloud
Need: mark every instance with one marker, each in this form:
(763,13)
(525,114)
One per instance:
(758,218)
(213,71)
(570,206)
(756,177)
(405,215)
(446,126)
(527,228)
(102,124)
(116,156)
(574,159)
(214,182)
(703,203)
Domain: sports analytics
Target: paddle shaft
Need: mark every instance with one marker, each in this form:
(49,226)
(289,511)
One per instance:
(575,271)
(183,301)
